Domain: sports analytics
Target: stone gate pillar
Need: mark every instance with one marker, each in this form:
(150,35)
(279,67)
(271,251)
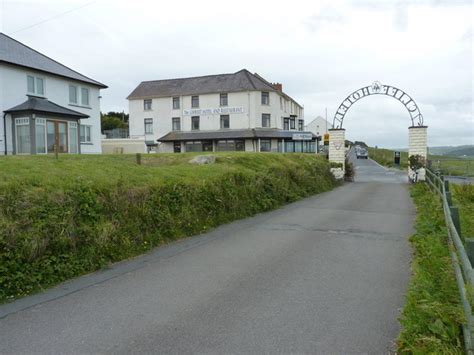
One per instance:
(418,145)
(337,151)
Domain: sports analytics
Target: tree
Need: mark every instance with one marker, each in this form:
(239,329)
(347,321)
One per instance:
(113,120)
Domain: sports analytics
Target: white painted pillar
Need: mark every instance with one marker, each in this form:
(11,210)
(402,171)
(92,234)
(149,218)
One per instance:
(337,151)
(418,145)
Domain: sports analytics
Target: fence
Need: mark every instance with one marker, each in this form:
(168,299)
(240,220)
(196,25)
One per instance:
(462,260)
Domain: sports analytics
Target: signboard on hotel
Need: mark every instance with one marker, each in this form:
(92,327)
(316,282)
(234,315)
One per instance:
(302,136)
(212,111)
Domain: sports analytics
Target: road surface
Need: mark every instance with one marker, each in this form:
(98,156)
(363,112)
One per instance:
(326,274)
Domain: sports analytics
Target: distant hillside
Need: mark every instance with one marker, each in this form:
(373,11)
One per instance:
(456,151)
(461,152)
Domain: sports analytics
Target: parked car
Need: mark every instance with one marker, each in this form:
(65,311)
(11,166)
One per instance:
(362,153)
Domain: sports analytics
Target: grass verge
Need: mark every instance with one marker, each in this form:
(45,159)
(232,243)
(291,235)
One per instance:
(67,217)
(432,316)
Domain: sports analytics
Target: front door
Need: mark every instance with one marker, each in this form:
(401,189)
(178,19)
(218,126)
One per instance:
(57,136)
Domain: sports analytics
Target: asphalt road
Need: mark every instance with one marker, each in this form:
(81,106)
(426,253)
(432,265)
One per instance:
(325,275)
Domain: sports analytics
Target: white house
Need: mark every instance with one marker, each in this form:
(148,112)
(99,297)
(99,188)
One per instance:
(319,126)
(46,106)
(226,112)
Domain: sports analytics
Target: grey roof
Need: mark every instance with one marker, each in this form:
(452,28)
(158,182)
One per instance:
(16,53)
(36,104)
(229,134)
(242,80)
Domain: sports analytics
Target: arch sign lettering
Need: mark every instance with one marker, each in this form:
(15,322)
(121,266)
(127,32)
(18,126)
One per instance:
(378,89)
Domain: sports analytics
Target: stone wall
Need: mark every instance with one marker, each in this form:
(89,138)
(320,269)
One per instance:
(337,151)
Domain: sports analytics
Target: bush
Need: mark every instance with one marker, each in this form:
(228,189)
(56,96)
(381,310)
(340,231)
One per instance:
(91,211)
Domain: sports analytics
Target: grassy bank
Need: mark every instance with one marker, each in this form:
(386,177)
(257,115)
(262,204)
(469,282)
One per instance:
(432,314)
(60,219)
(463,198)
(385,157)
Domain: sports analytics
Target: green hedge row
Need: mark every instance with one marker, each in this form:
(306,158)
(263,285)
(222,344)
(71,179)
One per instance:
(51,234)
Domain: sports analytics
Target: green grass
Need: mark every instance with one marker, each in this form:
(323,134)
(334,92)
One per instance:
(447,165)
(63,218)
(385,157)
(432,316)
(463,198)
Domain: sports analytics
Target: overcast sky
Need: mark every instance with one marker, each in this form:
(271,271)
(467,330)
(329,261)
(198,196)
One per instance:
(320,50)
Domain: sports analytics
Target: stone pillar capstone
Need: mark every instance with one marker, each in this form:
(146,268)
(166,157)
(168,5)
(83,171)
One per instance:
(418,145)
(337,151)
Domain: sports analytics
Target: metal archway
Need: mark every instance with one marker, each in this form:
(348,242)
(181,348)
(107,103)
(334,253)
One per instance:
(378,89)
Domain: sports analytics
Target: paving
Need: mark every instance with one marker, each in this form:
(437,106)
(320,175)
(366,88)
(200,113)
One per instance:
(326,274)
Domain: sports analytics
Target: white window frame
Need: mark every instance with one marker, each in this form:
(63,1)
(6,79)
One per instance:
(150,108)
(88,104)
(25,121)
(42,122)
(77,94)
(35,85)
(146,122)
(74,125)
(86,127)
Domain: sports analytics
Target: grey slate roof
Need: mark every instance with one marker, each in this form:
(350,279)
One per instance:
(16,53)
(36,104)
(229,134)
(242,80)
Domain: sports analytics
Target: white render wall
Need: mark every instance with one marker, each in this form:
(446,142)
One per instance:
(162,113)
(13,91)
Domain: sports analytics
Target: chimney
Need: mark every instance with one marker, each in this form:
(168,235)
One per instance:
(278,86)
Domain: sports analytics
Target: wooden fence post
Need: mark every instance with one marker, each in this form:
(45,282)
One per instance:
(469,245)
(455,217)
(139,158)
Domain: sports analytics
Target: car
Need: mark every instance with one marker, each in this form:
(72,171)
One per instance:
(362,153)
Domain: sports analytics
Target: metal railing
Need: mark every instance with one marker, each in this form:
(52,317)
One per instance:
(459,256)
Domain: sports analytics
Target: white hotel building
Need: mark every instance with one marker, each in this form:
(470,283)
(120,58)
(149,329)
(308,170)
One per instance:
(225,112)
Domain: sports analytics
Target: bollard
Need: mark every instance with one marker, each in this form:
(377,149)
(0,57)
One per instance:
(469,245)
(454,211)
(139,158)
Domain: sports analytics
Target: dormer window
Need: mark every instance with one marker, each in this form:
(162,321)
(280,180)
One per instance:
(35,85)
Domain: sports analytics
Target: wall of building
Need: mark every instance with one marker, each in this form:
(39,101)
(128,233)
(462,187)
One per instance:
(162,113)
(13,91)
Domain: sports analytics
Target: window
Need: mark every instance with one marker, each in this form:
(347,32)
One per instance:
(40,136)
(225,121)
(300,125)
(194,101)
(292,123)
(85,134)
(73,137)
(265,98)
(265,145)
(175,103)
(176,124)
(265,120)
(73,94)
(85,97)
(223,100)
(35,85)
(148,125)
(23,141)
(230,145)
(195,123)
(39,86)
(31,84)
(286,123)
(147,105)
